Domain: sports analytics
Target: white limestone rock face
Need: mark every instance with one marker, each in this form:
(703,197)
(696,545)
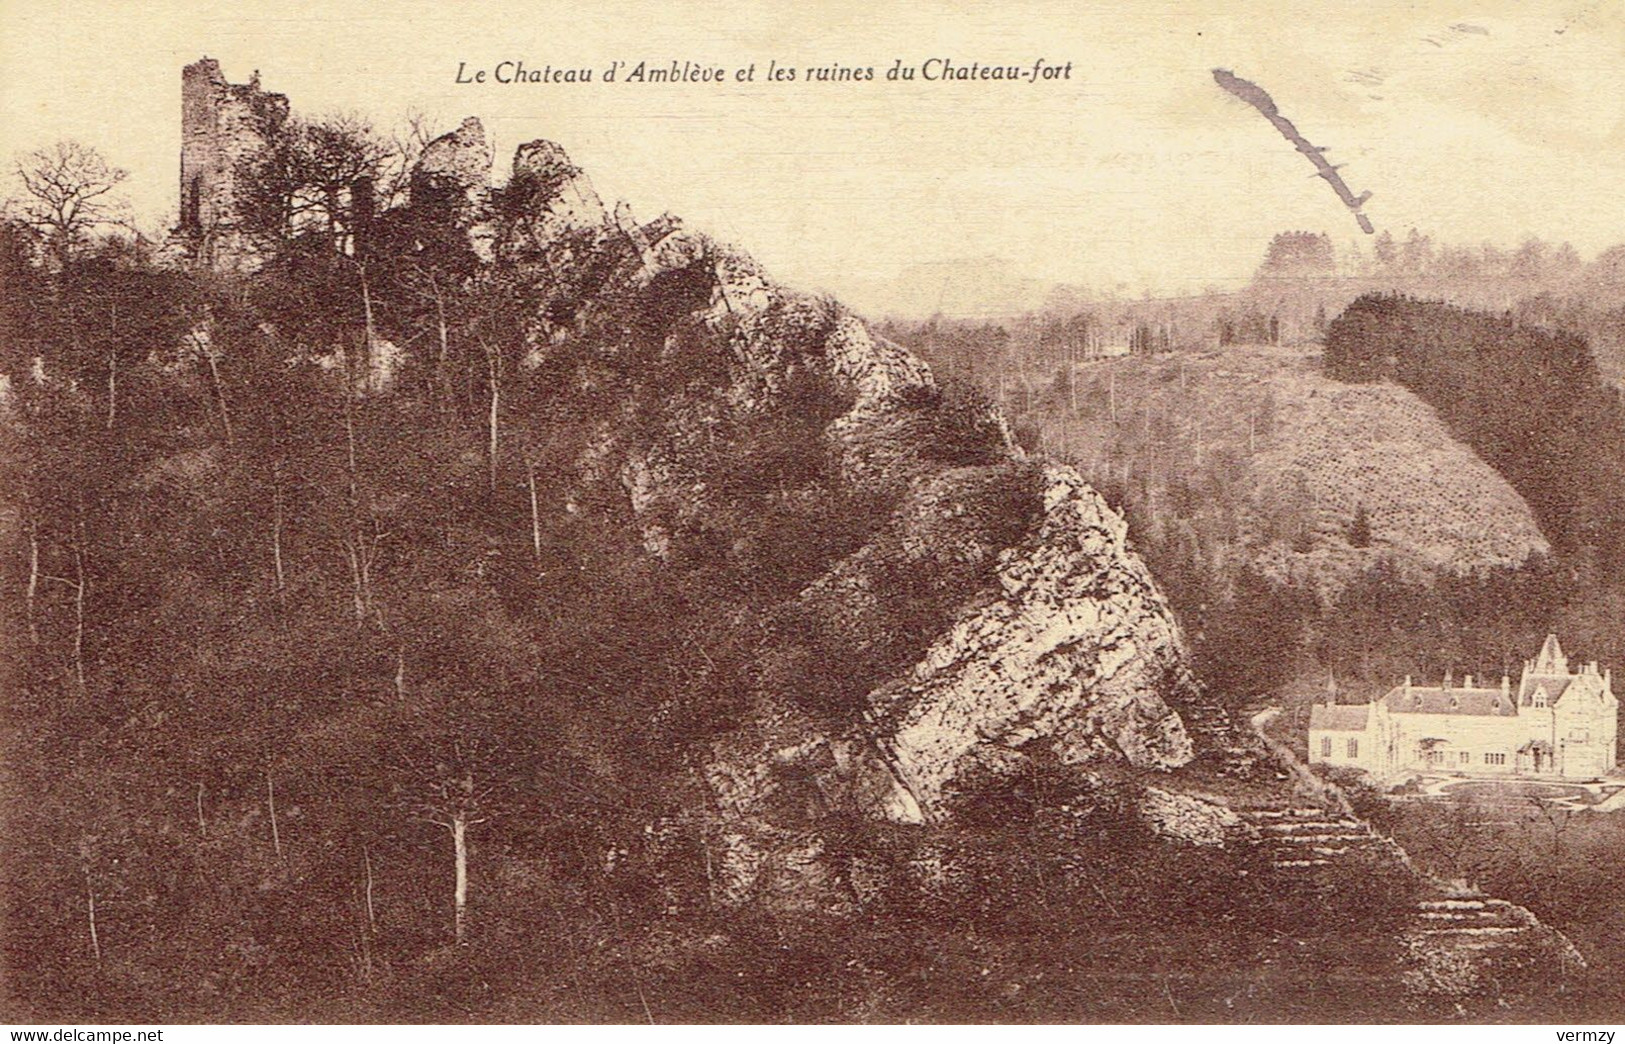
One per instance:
(454,171)
(1183,817)
(880,370)
(771,783)
(461,159)
(1071,649)
(1053,635)
(883,375)
(555,200)
(1075,648)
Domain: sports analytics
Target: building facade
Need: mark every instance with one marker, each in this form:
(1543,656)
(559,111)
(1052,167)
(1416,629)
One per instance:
(1553,723)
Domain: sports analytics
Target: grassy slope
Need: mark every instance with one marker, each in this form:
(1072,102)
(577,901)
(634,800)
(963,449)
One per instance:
(1252,448)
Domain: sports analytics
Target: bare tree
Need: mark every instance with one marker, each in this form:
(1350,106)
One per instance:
(77,585)
(1557,818)
(406,145)
(453,801)
(68,193)
(309,181)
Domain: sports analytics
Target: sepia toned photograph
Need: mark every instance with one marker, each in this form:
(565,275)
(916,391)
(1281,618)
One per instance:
(736,513)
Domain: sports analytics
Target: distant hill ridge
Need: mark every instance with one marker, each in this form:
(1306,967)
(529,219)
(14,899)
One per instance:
(1291,457)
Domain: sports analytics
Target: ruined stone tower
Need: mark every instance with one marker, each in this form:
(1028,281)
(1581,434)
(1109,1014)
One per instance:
(223,126)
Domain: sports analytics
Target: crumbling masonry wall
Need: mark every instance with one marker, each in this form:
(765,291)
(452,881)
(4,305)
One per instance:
(223,126)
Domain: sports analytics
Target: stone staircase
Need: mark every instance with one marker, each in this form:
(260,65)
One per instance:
(1447,942)
(1231,749)
(1306,837)
(1314,857)
(1476,923)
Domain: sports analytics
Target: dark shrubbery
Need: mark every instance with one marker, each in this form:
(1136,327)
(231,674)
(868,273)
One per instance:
(964,424)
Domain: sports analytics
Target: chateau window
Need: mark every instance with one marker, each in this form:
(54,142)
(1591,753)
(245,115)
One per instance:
(1495,759)
(1579,736)
(1325,746)
(1354,748)
(1464,757)
(1540,698)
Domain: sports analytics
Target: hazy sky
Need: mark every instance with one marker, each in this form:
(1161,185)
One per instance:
(1477,122)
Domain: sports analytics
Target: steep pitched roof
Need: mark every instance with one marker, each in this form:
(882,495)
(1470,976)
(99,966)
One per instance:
(1551,659)
(1351,718)
(1555,686)
(1581,686)
(1420,700)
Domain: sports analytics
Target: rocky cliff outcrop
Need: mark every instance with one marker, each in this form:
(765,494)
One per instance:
(929,613)
(453,174)
(459,160)
(994,603)
(558,197)
(1069,651)
(1074,647)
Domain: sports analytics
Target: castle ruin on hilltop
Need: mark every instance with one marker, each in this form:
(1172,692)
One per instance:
(229,129)
(224,127)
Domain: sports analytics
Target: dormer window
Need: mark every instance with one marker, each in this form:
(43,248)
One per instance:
(1455,703)
(1540,698)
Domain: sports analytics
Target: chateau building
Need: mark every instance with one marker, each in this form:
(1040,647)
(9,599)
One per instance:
(1552,723)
